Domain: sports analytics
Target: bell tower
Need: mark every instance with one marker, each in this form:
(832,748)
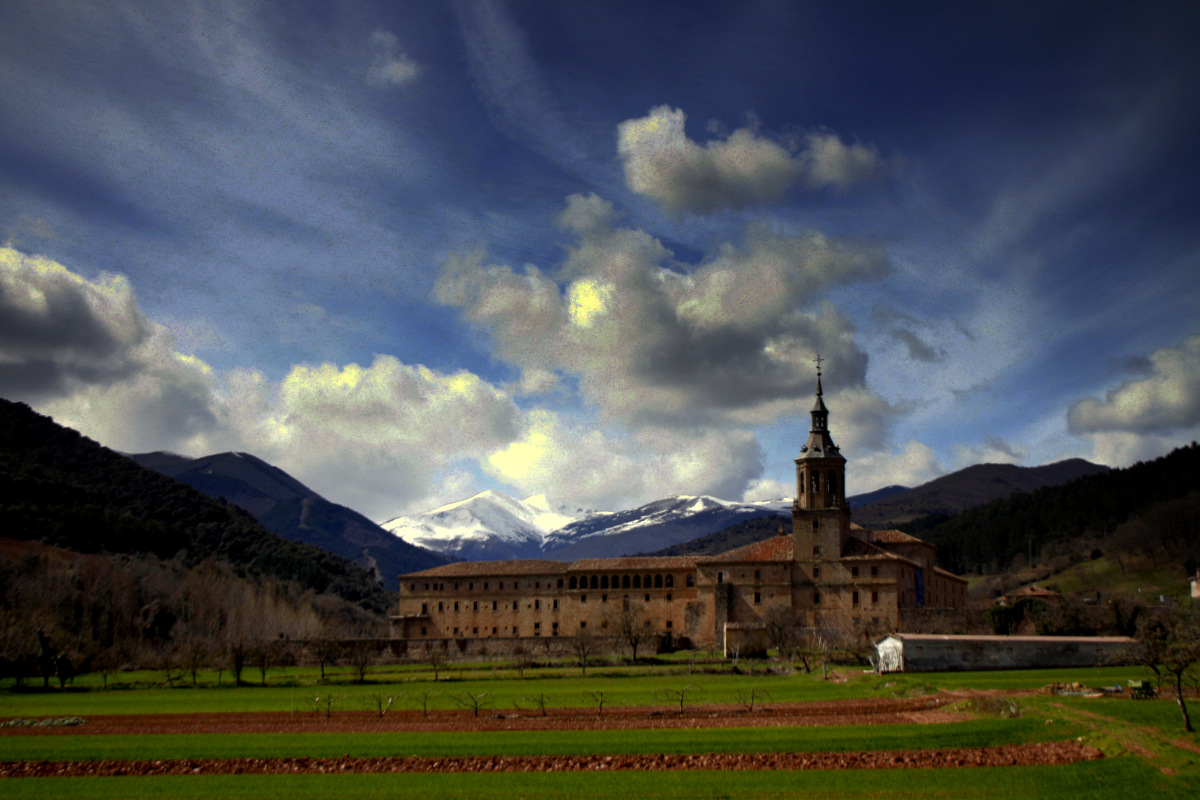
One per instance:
(820,515)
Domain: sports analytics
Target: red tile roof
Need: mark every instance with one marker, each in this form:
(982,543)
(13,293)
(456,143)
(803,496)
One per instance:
(897,537)
(774,548)
(632,562)
(476,569)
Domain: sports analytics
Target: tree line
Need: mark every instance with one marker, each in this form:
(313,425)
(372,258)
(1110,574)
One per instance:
(63,614)
(60,488)
(1150,507)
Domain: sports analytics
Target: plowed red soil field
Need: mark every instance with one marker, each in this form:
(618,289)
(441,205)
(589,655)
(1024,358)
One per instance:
(849,712)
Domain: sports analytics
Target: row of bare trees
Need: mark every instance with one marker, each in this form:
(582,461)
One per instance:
(104,613)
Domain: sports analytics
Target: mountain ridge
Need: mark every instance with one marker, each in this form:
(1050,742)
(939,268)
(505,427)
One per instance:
(285,506)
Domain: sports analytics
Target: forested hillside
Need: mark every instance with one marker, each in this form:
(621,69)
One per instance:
(63,489)
(1150,507)
(289,508)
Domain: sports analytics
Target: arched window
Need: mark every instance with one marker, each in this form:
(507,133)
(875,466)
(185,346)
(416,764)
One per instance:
(691,579)
(574,582)
(816,481)
(831,481)
(646,582)
(616,582)
(658,581)
(603,581)
(625,582)
(595,582)
(669,581)
(637,581)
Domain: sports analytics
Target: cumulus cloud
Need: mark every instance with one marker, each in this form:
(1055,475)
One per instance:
(60,330)
(374,437)
(914,464)
(1167,398)
(742,169)
(390,67)
(654,342)
(603,470)
(380,433)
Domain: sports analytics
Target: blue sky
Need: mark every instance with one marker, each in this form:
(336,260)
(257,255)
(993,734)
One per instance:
(409,251)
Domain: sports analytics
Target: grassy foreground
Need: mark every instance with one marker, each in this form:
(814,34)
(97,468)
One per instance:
(1148,755)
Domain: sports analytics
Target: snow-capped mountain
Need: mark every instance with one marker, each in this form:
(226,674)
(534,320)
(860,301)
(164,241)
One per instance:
(494,526)
(653,526)
(489,526)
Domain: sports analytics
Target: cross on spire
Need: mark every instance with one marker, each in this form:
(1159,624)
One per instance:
(818,361)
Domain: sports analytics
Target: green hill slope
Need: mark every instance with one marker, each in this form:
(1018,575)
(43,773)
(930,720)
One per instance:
(63,489)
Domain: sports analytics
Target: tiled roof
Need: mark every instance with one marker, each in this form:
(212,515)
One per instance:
(945,573)
(896,537)
(475,569)
(632,562)
(861,550)
(774,548)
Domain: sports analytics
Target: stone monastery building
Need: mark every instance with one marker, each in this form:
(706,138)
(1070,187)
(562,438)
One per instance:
(827,570)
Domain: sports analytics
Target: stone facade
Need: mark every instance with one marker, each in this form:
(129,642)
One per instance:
(827,571)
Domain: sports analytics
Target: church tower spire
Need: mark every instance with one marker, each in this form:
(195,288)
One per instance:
(820,515)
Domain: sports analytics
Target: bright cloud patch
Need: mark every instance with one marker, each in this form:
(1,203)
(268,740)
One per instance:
(662,163)
(1168,398)
(654,342)
(577,461)
(390,67)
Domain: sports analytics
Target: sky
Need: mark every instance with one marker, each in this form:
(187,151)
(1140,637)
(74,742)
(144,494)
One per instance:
(409,251)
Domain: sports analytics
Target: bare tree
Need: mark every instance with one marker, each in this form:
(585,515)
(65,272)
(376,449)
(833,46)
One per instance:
(380,702)
(1171,650)
(474,702)
(785,633)
(522,659)
(750,697)
(585,647)
(361,654)
(597,697)
(433,652)
(632,625)
(325,651)
(679,695)
(540,701)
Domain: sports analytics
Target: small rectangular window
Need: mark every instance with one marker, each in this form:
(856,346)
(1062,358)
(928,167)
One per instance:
(816,572)
(757,597)
(854,572)
(874,572)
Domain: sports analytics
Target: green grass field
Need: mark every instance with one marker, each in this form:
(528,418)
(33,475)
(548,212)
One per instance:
(1148,755)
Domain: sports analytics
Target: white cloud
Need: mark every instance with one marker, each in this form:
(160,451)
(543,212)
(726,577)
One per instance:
(742,169)
(915,464)
(993,450)
(1167,398)
(651,343)
(373,437)
(390,67)
(600,469)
